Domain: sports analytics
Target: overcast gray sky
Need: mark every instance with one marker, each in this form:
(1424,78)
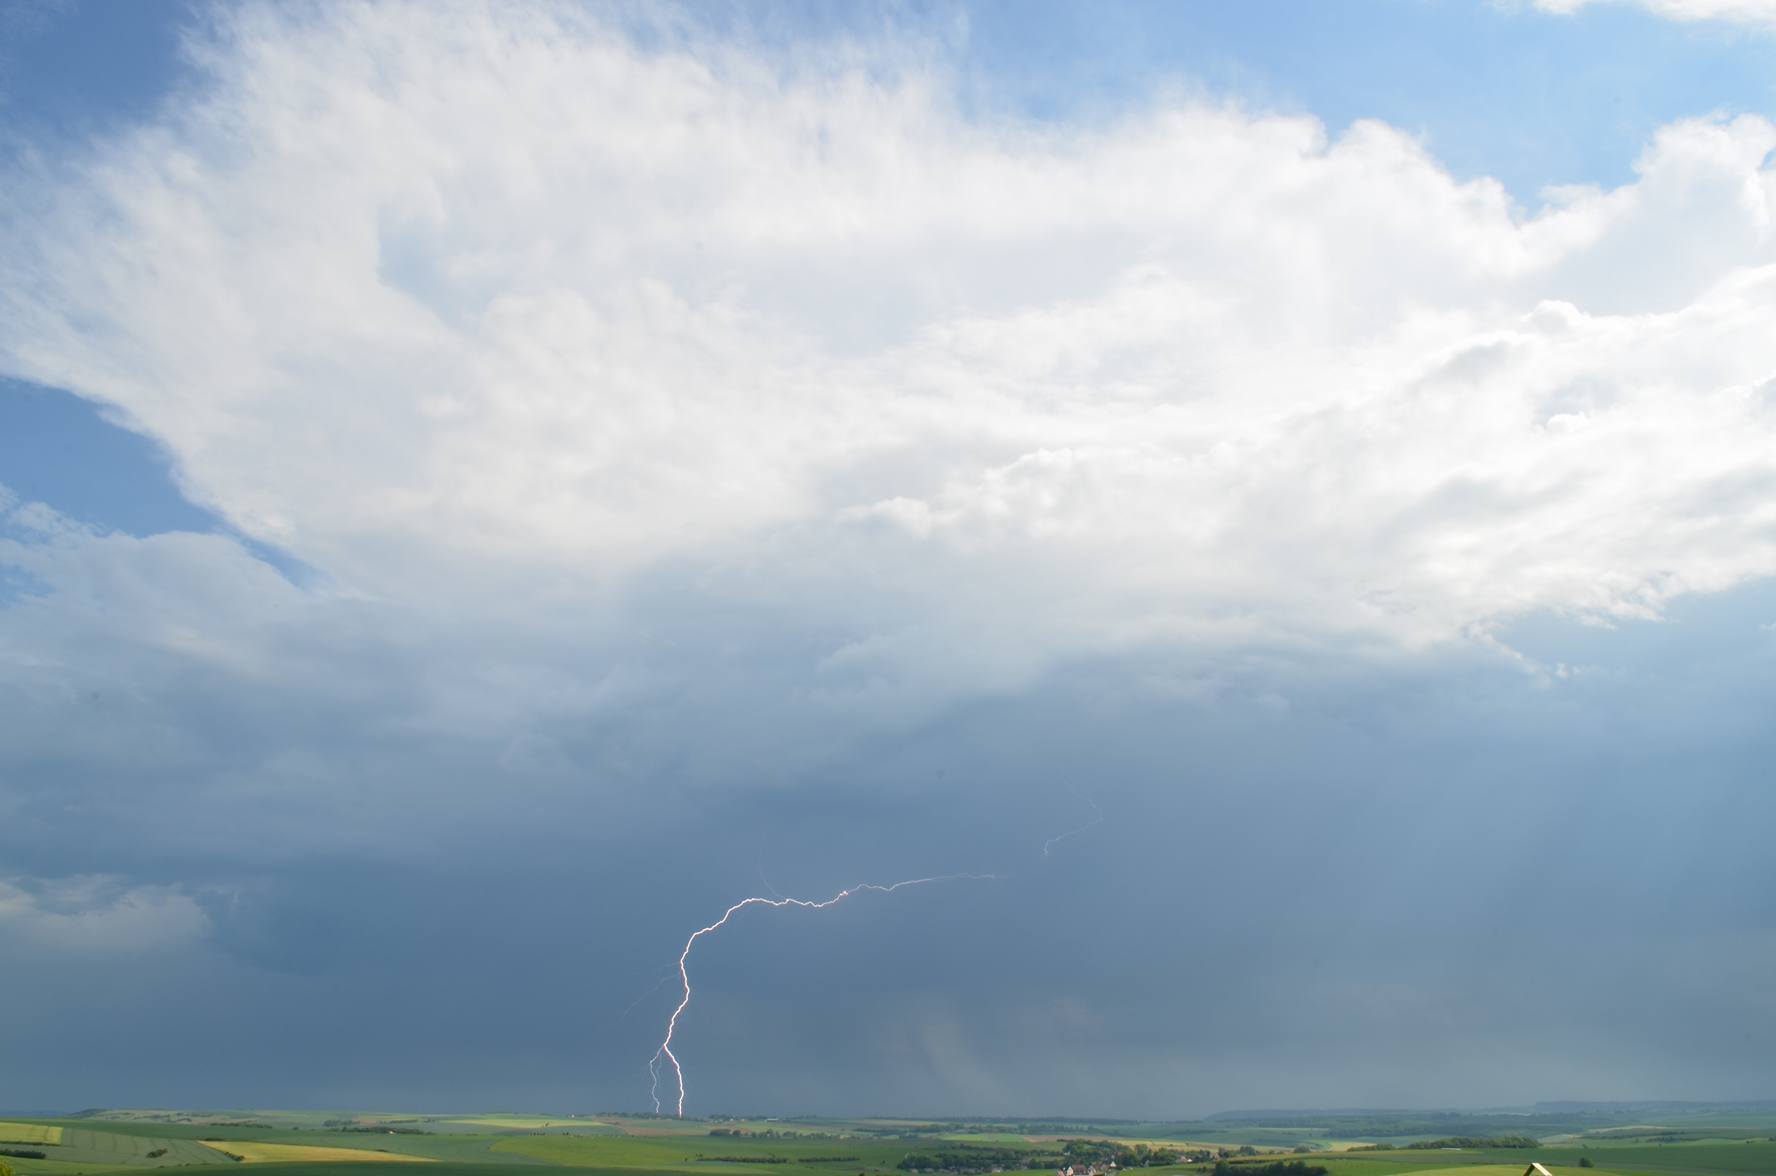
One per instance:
(484,488)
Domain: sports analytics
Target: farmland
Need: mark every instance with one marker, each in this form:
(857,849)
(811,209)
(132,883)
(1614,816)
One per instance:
(360,1143)
(259,1152)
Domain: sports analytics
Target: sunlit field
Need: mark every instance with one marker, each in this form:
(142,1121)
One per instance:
(340,1143)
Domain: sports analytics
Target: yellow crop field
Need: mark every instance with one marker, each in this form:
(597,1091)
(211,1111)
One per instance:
(527,1122)
(29,1133)
(254,1152)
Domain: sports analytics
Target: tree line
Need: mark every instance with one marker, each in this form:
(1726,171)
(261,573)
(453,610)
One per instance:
(1455,1141)
(969,1160)
(1277,1168)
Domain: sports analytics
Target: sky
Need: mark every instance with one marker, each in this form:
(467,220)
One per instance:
(486,486)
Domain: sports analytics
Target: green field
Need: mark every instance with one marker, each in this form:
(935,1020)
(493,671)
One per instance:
(1681,1159)
(91,1148)
(335,1143)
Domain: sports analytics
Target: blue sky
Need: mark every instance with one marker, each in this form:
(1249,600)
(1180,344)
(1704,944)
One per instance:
(481,494)
(1474,79)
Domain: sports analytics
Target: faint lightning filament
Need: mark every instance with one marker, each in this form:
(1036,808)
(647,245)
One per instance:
(1097,819)
(684,975)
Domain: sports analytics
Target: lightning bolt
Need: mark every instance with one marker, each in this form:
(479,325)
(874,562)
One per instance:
(684,975)
(665,975)
(1097,819)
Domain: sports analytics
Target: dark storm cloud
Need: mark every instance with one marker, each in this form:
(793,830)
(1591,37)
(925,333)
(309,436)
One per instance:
(1311,879)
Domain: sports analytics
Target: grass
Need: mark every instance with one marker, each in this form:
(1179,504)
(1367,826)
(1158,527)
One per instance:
(1685,1159)
(63,1168)
(338,1168)
(527,1122)
(157,1131)
(311,1143)
(86,1150)
(453,1147)
(1675,1159)
(256,1152)
(708,1154)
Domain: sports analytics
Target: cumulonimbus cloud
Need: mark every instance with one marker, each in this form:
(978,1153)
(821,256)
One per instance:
(661,419)
(472,311)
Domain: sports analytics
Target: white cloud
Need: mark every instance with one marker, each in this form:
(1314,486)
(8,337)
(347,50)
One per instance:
(503,322)
(1742,11)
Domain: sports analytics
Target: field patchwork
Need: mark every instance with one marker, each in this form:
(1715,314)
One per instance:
(528,1123)
(346,1143)
(257,1152)
(80,1150)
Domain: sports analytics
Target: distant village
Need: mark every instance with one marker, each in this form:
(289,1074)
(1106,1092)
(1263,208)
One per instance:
(1078,1157)
(1154,1158)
